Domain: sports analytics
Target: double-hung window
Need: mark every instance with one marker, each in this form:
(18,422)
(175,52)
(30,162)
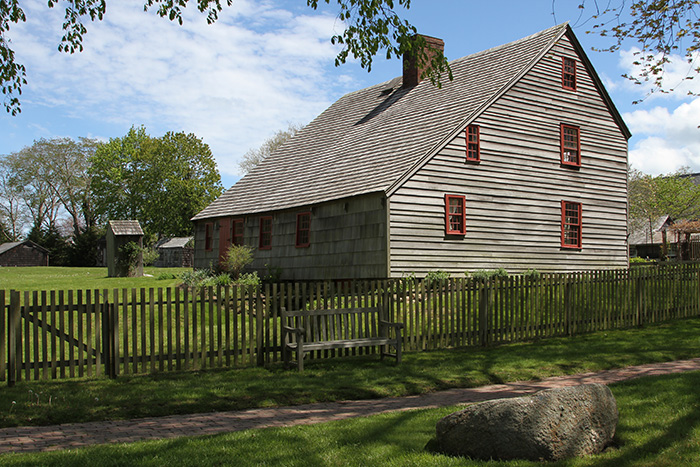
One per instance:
(208,236)
(455,215)
(303,238)
(473,144)
(571,224)
(265,242)
(570,145)
(568,74)
(237,231)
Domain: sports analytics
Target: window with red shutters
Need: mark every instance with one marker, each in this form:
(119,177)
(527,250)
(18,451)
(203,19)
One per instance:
(570,145)
(473,143)
(237,231)
(208,236)
(265,233)
(455,215)
(303,229)
(568,74)
(571,223)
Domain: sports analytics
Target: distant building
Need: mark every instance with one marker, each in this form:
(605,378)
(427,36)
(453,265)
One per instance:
(22,254)
(176,252)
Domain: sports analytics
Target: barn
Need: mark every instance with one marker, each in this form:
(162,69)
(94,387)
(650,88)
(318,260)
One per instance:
(22,254)
(519,162)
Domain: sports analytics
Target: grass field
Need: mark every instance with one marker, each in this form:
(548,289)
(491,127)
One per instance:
(65,401)
(659,426)
(60,278)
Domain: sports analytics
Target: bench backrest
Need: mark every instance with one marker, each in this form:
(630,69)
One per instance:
(341,324)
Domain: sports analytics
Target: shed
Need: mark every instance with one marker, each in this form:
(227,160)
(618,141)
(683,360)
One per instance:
(22,254)
(119,233)
(176,252)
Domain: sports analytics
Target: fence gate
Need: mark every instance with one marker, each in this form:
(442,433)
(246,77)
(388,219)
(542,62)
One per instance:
(57,334)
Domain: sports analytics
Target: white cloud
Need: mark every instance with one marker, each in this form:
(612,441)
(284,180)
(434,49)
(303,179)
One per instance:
(674,75)
(671,139)
(232,83)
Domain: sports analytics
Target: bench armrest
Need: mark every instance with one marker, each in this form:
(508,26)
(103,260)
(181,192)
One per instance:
(393,325)
(299,331)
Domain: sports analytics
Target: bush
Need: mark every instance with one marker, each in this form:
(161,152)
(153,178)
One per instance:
(435,277)
(149,255)
(193,279)
(236,258)
(488,274)
(248,280)
(164,276)
(531,275)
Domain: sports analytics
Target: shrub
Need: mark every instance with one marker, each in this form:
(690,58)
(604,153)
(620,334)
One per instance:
(488,274)
(194,279)
(236,258)
(531,275)
(248,280)
(272,274)
(164,276)
(435,277)
(150,255)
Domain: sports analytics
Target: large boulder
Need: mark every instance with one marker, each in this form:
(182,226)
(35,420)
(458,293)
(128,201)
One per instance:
(549,425)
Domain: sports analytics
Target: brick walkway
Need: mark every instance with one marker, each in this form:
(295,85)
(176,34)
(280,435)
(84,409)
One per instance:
(73,435)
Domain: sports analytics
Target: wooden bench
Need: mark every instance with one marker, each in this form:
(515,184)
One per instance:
(308,330)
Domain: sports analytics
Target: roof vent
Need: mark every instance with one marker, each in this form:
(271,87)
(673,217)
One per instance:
(412,74)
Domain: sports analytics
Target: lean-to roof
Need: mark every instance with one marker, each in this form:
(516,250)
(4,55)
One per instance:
(369,139)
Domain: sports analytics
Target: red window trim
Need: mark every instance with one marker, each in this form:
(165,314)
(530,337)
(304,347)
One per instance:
(303,235)
(563,148)
(473,155)
(237,231)
(209,236)
(568,76)
(566,226)
(461,218)
(265,234)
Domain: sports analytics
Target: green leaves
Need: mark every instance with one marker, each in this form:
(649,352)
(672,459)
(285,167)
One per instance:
(161,182)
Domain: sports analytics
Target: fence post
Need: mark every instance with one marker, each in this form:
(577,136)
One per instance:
(114,339)
(14,342)
(106,341)
(640,301)
(484,293)
(259,327)
(569,326)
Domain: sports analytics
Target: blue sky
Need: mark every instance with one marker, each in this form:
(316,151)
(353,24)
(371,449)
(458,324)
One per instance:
(268,63)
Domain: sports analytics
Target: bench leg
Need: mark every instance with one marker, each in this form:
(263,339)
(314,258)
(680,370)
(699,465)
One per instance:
(300,355)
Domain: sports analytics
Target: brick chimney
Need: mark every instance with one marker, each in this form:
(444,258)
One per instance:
(411,72)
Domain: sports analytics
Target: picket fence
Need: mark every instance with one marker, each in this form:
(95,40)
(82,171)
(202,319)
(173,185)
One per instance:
(67,334)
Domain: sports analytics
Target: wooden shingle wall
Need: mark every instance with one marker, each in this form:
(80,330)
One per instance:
(347,240)
(513,196)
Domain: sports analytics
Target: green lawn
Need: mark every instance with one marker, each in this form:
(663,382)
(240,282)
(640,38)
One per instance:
(60,278)
(659,426)
(40,403)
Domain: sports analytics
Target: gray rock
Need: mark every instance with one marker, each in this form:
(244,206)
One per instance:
(549,425)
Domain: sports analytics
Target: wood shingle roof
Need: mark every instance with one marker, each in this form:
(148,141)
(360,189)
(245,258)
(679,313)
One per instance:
(369,140)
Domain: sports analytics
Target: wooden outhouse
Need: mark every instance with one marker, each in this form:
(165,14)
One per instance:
(119,233)
(22,254)
(176,252)
(519,162)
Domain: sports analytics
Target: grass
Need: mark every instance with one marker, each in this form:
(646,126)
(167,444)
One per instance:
(659,426)
(41,403)
(62,278)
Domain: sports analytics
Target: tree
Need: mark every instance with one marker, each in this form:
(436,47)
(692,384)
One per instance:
(371,26)
(161,182)
(13,213)
(675,195)
(659,27)
(56,170)
(253,157)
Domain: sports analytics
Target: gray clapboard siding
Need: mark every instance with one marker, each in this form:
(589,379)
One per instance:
(513,196)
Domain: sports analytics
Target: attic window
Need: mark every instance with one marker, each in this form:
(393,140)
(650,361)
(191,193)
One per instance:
(571,224)
(265,242)
(570,145)
(473,143)
(568,74)
(455,217)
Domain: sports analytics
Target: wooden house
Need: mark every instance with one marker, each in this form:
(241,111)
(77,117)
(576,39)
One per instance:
(519,162)
(23,254)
